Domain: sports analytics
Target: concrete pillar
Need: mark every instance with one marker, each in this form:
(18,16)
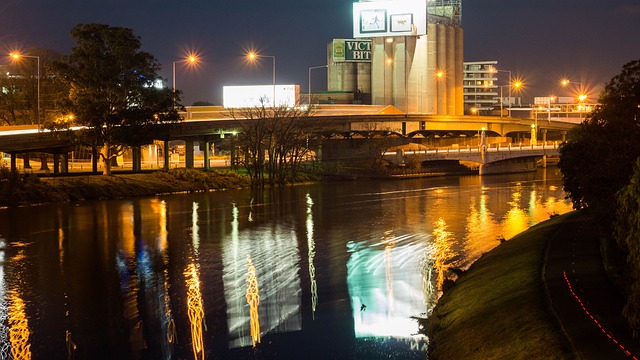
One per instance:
(136,159)
(56,163)
(166,155)
(14,162)
(188,154)
(65,163)
(207,162)
(25,161)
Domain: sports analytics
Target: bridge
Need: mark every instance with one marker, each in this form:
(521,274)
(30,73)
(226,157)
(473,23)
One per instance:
(490,159)
(207,125)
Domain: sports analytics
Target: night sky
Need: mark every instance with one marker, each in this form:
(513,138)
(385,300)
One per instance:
(540,41)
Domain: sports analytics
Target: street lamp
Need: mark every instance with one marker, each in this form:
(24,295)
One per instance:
(311,68)
(17,56)
(253,56)
(492,70)
(191,59)
(581,96)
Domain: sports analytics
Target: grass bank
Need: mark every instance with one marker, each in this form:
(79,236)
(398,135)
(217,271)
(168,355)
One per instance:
(24,189)
(499,308)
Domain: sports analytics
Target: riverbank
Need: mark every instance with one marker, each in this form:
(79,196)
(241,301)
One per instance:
(25,189)
(499,308)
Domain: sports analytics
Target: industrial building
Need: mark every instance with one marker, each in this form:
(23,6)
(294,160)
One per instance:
(412,60)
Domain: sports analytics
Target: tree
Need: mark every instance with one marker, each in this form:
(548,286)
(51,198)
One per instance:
(113,91)
(598,158)
(274,141)
(627,234)
(19,85)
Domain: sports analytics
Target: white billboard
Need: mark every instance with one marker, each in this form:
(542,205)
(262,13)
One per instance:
(257,95)
(389,18)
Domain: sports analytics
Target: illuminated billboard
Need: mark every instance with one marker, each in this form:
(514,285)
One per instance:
(257,95)
(389,18)
(351,50)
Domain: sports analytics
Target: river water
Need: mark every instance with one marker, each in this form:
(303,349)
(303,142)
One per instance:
(322,271)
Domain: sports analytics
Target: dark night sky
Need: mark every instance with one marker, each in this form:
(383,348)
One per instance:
(540,41)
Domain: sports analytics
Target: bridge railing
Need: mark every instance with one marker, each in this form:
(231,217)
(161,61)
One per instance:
(478,148)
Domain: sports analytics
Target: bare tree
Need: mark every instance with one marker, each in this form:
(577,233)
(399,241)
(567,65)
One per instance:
(274,141)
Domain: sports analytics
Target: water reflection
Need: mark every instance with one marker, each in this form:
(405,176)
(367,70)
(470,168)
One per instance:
(384,289)
(275,258)
(135,278)
(16,312)
(311,253)
(253,299)
(195,310)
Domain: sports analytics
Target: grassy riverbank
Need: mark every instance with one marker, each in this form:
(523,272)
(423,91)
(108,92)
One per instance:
(25,189)
(499,308)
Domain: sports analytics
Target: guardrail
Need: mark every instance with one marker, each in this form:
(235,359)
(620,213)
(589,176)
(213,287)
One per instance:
(477,149)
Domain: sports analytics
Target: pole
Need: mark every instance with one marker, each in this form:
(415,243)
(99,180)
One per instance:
(501,101)
(38,57)
(274,80)
(311,68)
(174,83)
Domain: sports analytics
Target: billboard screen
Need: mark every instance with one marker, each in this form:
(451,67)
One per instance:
(389,18)
(351,50)
(256,95)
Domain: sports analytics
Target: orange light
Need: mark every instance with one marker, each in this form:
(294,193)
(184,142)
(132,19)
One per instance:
(440,74)
(252,55)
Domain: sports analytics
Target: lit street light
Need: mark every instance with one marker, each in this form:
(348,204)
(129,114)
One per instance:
(253,56)
(492,70)
(311,68)
(17,56)
(191,59)
(581,96)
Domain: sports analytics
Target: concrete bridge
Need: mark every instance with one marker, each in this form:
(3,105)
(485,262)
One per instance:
(207,125)
(490,159)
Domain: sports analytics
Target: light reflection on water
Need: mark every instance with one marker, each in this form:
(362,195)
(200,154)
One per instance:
(314,270)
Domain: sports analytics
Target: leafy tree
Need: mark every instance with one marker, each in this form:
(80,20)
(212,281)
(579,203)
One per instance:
(113,91)
(627,234)
(598,158)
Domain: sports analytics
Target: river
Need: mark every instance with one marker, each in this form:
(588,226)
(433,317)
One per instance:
(321,271)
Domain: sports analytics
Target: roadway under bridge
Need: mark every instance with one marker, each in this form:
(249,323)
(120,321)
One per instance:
(336,124)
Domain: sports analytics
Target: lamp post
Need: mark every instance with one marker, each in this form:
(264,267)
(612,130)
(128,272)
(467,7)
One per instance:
(581,96)
(510,84)
(17,56)
(253,56)
(311,68)
(191,59)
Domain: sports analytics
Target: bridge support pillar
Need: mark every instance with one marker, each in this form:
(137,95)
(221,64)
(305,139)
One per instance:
(56,163)
(188,154)
(65,163)
(207,162)
(25,159)
(166,155)
(136,159)
(14,162)
(507,167)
